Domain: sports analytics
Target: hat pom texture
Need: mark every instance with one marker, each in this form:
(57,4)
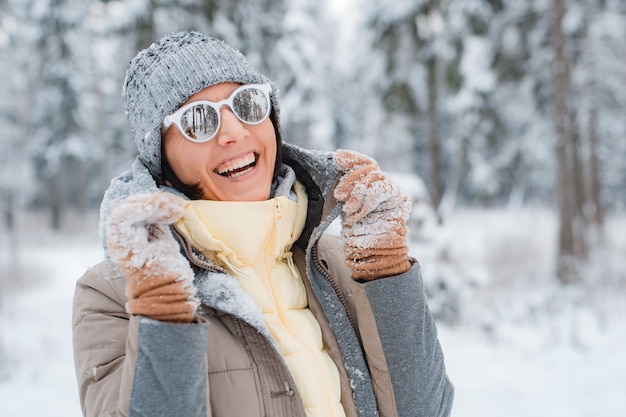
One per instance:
(163,76)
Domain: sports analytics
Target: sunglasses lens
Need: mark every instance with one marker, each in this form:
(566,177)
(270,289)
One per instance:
(200,122)
(251,105)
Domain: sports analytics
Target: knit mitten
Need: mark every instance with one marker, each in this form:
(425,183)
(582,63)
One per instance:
(374,217)
(141,244)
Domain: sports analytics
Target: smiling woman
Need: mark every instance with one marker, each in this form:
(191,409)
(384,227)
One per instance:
(221,293)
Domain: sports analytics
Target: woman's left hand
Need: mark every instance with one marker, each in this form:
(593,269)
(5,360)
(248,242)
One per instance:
(375,212)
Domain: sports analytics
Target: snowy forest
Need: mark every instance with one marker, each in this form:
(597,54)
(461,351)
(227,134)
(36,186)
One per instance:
(505,121)
(490,102)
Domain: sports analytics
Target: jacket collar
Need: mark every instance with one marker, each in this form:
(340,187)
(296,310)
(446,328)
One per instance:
(319,175)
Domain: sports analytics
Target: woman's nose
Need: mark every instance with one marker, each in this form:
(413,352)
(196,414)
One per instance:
(231,129)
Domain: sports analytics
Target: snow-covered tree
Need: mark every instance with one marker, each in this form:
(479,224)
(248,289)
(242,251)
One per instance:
(61,145)
(15,103)
(458,92)
(17,127)
(304,77)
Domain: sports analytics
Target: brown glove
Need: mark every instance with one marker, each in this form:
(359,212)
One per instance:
(374,215)
(140,243)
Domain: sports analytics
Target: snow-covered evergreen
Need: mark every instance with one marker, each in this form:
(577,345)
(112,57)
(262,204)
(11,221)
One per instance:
(359,73)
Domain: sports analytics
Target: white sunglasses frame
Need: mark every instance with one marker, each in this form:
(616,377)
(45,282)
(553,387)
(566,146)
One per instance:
(176,117)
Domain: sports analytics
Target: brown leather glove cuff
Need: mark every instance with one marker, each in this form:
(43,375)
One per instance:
(368,265)
(174,309)
(160,298)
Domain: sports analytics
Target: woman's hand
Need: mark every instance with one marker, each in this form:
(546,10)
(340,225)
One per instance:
(140,243)
(375,212)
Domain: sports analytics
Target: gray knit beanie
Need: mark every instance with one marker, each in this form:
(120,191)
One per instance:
(162,77)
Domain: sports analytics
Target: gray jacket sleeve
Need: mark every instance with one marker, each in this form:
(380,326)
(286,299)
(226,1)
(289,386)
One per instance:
(409,339)
(170,373)
(130,365)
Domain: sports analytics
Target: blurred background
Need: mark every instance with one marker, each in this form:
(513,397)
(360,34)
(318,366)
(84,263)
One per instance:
(504,120)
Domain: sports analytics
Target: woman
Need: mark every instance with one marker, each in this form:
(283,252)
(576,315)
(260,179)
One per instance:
(221,294)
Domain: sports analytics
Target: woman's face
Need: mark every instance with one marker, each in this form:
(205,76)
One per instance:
(236,165)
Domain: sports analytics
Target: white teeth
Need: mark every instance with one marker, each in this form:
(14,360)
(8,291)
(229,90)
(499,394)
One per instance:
(236,164)
(238,174)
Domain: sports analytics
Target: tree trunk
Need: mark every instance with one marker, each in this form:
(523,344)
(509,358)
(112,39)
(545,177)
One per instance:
(9,256)
(567,270)
(594,185)
(594,207)
(581,248)
(433,137)
(457,168)
(146,30)
(55,201)
(9,213)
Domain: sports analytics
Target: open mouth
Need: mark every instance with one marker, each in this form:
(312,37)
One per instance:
(237,167)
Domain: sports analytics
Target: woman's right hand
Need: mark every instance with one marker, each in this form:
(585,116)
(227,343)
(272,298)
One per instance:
(141,244)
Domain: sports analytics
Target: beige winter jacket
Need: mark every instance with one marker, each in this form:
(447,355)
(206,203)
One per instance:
(246,375)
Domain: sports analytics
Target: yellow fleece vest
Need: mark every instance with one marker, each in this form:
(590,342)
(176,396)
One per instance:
(253,241)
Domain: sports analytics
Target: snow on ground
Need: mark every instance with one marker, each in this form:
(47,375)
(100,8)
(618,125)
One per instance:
(503,379)
(520,345)
(36,362)
(523,345)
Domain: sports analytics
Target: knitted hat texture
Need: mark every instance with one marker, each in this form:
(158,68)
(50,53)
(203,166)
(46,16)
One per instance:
(163,76)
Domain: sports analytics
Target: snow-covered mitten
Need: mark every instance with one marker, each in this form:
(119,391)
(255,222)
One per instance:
(141,244)
(374,217)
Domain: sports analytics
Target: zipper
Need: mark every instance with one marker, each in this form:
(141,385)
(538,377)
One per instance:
(191,255)
(332,282)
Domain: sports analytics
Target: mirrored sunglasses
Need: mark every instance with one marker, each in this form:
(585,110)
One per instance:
(199,121)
